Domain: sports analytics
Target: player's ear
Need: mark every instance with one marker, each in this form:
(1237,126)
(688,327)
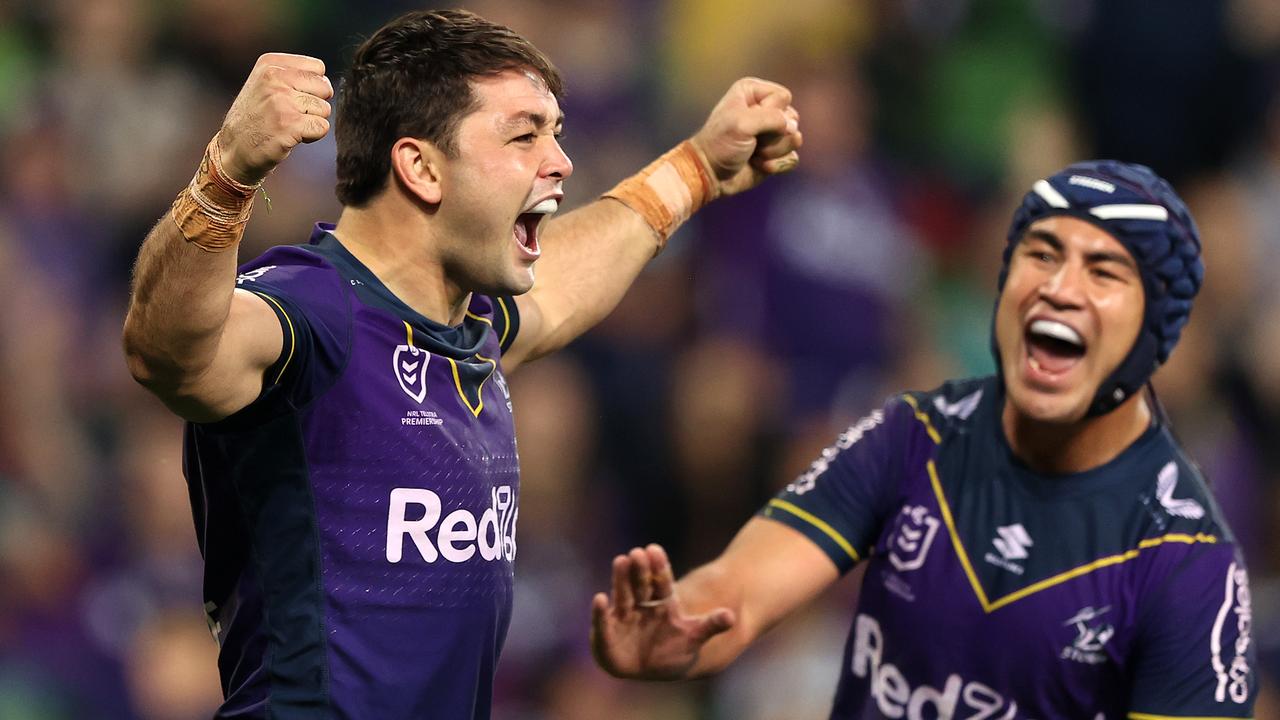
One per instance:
(416,164)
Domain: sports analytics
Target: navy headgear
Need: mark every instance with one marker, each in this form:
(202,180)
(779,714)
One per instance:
(1141,210)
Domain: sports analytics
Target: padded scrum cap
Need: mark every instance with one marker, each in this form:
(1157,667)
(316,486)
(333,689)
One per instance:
(1141,210)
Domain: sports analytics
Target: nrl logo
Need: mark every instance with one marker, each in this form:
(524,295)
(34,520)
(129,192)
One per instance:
(912,537)
(410,366)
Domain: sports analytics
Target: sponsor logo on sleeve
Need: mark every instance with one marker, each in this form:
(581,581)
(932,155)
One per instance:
(961,408)
(1166,483)
(253,275)
(1012,541)
(1092,635)
(847,439)
(1236,611)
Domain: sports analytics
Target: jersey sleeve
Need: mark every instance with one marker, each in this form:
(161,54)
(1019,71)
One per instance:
(842,500)
(313,309)
(1194,653)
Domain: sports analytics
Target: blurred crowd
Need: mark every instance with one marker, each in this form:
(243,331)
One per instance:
(771,322)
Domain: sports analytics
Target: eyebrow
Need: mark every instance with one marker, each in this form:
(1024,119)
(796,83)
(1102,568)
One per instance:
(1096,256)
(537,119)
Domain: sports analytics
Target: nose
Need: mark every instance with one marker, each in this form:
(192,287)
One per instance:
(557,163)
(1065,288)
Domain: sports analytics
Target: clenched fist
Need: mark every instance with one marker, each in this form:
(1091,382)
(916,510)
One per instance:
(753,132)
(284,102)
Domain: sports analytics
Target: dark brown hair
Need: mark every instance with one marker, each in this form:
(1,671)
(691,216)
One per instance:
(412,78)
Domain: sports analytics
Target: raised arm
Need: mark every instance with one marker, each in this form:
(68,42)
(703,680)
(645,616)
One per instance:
(653,628)
(591,256)
(189,336)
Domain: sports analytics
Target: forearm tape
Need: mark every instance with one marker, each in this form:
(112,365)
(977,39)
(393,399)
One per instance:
(211,211)
(668,191)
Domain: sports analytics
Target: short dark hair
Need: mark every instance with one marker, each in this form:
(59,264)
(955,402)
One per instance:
(412,78)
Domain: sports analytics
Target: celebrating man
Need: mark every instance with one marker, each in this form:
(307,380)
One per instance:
(350,452)
(1038,546)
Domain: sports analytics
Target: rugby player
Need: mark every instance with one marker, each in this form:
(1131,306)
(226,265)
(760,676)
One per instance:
(1037,544)
(350,452)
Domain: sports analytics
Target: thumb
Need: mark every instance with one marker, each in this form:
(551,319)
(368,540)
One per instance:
(712,624)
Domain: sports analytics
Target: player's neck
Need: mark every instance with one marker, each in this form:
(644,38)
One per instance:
(396,247)
(1061,448)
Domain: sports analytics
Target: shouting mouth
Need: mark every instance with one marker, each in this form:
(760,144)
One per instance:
(525,231)
(1053,349)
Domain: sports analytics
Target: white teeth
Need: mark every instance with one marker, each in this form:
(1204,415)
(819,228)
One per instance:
(1057,330)
(546,207)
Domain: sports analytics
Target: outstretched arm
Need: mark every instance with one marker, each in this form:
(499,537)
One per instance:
(189,336)
(591,255)
(653,628)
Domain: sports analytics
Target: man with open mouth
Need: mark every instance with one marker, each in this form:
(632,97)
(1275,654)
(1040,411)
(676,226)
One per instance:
(350,450)
(1036,543)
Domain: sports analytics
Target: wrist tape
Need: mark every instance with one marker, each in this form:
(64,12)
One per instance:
(211,211)
(668,191)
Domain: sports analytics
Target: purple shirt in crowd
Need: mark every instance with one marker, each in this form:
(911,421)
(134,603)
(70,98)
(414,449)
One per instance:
(996,593)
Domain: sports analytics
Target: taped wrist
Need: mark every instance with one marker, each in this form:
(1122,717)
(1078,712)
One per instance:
(668,191)
(211,211)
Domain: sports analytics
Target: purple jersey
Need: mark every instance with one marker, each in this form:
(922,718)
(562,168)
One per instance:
(996,593)
(358,519)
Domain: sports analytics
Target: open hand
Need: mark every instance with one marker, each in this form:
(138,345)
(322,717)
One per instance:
(753,132)
(641,630)
(283,102)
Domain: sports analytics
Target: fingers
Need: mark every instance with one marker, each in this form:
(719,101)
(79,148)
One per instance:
(312,129)
(764,92)
(641,576)
(311,105)
(290,60)
(759,120)
(624,600)
(279,77)
(664,580)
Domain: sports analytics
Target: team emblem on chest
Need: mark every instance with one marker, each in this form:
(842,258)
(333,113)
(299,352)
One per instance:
(1092,634)
(912,537)
(410,366)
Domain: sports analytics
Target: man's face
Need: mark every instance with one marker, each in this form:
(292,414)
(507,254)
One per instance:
(1069,313)
(504,181)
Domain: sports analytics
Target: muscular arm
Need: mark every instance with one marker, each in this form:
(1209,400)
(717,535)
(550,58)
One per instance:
(652,630)
(591,255)
(190,337)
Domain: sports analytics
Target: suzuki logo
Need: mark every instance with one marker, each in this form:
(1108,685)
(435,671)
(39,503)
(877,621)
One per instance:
(1013,541)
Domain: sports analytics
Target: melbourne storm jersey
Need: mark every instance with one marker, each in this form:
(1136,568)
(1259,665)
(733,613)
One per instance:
(358,519)
(993,592)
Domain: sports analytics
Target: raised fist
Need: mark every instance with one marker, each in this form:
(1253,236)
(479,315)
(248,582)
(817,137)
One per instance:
(284,102)
(753,132)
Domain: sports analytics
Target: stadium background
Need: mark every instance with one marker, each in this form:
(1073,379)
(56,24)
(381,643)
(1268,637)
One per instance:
(770,323)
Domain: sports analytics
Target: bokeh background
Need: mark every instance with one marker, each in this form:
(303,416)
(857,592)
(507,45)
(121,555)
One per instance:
(771,322)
